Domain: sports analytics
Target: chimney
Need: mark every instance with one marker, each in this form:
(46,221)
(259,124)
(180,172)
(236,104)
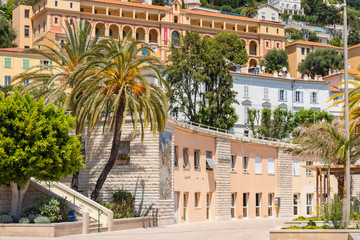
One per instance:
(320,78)
(334,72)
(237,68)
(316,77)
(309,76)
(337,71)
(276,74)
(329,71)
(306,78)
(288,75)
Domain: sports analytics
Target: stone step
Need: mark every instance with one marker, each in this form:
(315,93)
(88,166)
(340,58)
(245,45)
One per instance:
(95,230)
(94,225)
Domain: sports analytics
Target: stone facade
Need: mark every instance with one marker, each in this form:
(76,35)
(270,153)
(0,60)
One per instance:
(223,179)
(284,183)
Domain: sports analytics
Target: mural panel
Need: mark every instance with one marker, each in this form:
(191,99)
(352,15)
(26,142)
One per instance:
(165,165)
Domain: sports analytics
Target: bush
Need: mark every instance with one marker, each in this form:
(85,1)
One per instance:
(326,227)
(41,220)
(336,213)
(32,209)
(122,204)
(311,223)
(294,227)
(6,219)
(31,217)
(300,218)
(52,210)
(24,220)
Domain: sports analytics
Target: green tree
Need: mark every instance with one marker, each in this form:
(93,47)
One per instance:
(159,2)
(336,41)
(304,34)
(275,60)
(319,62)
(285,16)
(309,116)
(7,34)
(354,37)
(65,58)
(12,4)
(120,87)
(35,141)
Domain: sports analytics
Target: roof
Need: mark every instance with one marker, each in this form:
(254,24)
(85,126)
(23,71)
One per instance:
(351,71)
(12,49)
(210,14)
(355,46)
(133,4)
(313,44)
(269,5)
(334,89)
(334,169)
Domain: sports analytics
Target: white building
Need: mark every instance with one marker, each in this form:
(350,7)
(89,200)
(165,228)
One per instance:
(272,91)
(288,6)
(268,12)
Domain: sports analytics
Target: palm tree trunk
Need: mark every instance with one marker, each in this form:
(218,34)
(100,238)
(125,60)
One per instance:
(75,177)
(114,149)
(340,181)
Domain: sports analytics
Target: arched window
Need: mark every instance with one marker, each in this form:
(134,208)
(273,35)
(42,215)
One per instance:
(175,38)
(175,19)
(176,6)
(110,33)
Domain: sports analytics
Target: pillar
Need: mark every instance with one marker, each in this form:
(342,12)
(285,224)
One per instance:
(200,22)
(107,10)
(236,27)
(212,24)
(147,16)
(284,183)
(134,13)
(120,12)
(93,9)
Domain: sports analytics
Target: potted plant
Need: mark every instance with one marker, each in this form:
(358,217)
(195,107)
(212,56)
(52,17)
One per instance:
(122,159)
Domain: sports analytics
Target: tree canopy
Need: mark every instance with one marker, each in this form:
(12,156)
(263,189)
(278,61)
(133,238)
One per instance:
(275,60)
(320,61)
(7,34)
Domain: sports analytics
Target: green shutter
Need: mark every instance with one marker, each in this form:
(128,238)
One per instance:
(26,63)
(7,62)
(41,64)
(50,65)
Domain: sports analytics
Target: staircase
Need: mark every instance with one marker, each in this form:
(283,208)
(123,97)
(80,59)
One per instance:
(95,217)
(354,236)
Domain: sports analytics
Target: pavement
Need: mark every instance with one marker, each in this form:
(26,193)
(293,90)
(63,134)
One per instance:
(244,229)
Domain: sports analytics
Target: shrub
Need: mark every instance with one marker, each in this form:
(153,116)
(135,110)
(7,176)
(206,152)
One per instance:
(31,217)
(336,212)
(312,227)
(294,227)
(311,223)
(32,209)
(41,220)
(122,204)
(6,219)
(326,227)
(300,218)
(52,210)
(122,196)
(24,220)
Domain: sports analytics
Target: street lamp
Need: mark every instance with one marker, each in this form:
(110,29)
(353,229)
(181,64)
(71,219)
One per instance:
(347,127)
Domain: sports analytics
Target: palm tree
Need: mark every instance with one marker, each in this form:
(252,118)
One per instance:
(65,58)
(327,142)
(121,87)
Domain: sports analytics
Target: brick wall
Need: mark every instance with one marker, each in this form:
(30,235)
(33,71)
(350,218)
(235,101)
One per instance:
(284,183)
(223,179)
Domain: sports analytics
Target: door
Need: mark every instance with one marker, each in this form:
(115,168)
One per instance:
(296,204)
(176,206)
(185,205)
(208,202)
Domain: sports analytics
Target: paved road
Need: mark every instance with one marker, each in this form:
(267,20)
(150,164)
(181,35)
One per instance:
(248,229)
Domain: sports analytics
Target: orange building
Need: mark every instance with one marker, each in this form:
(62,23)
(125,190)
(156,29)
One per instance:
(159,26)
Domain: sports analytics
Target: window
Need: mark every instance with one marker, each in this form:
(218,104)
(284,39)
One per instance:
(313,97)
(267,29)
(296,204)
(175,38)
(83,151)
(271,166)
(299,96)
(258,204)
(302,51)
(7,80)
(233,163)
(176,159)
(62,41)
(266,93)
(185,157)
(277,45)
(43,26)
(296,167)
(210,165)
(270,204)
(175,19)
(245,204)
(308,171)
(233,205)
(282,95)
(308,203)
(45,63)
(196,159)
(197,199)
(307,50)
(258,165)
(273,19)
(263,16)
(267,44)
(56,3)
(7,62)
(26,31)
(246,91)
(27,13)
(185,206)
(71,21)
(245,164)
(55,20)
(208,204)
(39,30)
(124,153)
(277,30)
(26,63)
(26,82)
(71,5)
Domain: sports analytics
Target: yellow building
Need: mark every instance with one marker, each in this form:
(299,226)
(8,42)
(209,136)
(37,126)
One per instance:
(354,56)
(14,62)
(159,26)
(298,51)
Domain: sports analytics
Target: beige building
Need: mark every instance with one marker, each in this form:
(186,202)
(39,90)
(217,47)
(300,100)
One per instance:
(14,62)
(268,12)
(298,51)
(354,56)
(159,26)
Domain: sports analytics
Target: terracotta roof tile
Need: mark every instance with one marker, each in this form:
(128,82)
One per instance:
(355,46)
(12,49)
(334,89)
(313,44)
(132,4)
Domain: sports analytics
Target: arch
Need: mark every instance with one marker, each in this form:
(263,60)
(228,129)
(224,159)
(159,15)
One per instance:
(100,26)
(153,35)
(175,38)
(114,31)
(176,19)
(253,62)
(253,48)
(140,33)
(127,31)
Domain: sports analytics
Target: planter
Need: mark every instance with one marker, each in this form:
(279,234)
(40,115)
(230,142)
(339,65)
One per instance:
(41,230)
(130,223)
(311,234)
(121,161)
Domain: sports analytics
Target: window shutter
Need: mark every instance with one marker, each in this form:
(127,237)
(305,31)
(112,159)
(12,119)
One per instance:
(285,95)
(258,165)
(279,94)
(271,166)
(26,63)
(302,97)
(51,65)
(7,62)
(41,64)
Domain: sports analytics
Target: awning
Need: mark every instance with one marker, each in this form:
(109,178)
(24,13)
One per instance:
(211,162)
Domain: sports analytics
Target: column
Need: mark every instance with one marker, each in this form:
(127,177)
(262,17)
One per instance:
(200,22)
(212,24)
(134,14)
(224,25)
(247,28)
(147,16)
(146,37)
(236,27)
(107,10)
(93,9)
(120,12)
(284,184)
(159,19)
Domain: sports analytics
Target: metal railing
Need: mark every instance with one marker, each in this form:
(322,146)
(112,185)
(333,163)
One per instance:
(100,212)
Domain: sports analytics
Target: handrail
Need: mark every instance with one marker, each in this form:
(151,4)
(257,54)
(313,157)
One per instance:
(100,211)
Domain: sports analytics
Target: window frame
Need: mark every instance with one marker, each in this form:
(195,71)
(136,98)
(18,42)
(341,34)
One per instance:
(7,62)
(185,161)
(273,166)
(296,170)
(245,160)
(258,169)
(196,159)
(245,204)
(233,205)
(270,204)
(309,203)
(197,199)
(176,156)
(7,80)
(258,204)
(308,171)
(233,163)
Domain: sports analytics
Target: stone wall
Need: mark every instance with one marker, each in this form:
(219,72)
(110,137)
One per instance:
(284,183)
(223,179)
